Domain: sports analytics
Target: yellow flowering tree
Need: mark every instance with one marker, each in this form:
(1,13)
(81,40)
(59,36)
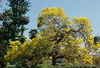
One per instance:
(58,37)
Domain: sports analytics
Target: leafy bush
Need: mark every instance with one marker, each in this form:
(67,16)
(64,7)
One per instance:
(10,66)
(22,65)
(58,65)
(65,65)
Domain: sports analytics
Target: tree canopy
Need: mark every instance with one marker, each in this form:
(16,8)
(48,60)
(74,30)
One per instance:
(57,37)
(32,33)
(14,20)
(96,39)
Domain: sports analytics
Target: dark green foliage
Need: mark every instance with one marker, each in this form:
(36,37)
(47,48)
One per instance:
(32,33)
(22,65)
(33,66)
(22,39)
(14,20)
(96,39)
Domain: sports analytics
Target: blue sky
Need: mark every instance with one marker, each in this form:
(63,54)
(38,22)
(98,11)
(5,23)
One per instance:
(73,8)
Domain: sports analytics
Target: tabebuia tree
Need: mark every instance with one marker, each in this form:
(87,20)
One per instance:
(58,37)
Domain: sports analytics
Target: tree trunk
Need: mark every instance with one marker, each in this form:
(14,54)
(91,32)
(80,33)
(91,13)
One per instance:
(53,60)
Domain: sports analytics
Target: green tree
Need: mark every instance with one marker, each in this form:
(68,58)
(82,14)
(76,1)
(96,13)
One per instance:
(14,20)
(32,33)
(96,39)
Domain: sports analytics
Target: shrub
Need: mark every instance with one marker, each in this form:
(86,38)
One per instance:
(65,65)
(10,66)
(22,64)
